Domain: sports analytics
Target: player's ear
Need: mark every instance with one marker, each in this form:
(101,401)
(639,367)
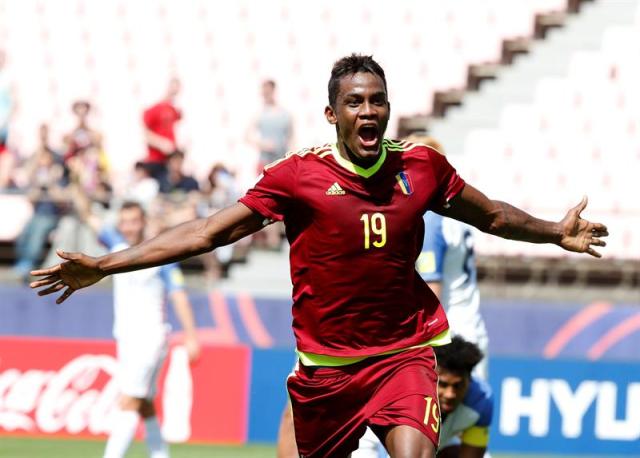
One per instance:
(330,114)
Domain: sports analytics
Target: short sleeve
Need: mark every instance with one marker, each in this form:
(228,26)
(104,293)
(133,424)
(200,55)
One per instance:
(110,237)
(448,181)
(273,194)
(431,259)
(172,277)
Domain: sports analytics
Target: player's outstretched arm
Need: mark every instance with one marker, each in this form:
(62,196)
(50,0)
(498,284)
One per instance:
(504,220)
(178,243)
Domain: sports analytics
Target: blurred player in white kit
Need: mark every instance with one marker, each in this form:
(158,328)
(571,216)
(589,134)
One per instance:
(141,330)
(448,265)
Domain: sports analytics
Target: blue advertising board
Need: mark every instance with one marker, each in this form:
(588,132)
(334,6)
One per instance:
(565,406)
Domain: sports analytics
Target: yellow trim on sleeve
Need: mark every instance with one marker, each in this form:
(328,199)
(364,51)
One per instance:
(314,359)
(476,436)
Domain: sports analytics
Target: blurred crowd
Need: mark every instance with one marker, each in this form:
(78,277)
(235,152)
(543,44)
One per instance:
(56,174)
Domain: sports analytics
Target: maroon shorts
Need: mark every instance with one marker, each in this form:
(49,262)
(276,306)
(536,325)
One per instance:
(332,406)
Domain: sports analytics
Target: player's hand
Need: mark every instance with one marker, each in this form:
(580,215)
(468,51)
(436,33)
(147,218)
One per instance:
(580,235)
(193,348)
(78,271)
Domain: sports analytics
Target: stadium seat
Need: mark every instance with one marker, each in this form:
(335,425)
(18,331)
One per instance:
(120,54)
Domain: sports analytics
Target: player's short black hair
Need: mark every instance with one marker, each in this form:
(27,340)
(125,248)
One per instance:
(129,204)
(459,357)
(271,83)
(350,65)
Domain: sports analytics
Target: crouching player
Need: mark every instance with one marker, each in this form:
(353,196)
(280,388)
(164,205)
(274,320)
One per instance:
(466,402)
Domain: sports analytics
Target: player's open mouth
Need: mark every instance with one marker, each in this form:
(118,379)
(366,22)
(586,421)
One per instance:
(368,135)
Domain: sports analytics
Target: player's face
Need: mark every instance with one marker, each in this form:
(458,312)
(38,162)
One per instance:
(452,388)
(361,115)
(131,222)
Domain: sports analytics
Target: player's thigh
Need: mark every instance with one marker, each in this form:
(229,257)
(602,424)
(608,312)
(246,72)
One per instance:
(405,441)
(409,399)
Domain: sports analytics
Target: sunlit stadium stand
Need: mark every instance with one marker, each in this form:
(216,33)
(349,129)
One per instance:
(568,138)
(120,54)
(579,135)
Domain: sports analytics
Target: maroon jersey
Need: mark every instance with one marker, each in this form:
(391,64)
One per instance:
(355,235)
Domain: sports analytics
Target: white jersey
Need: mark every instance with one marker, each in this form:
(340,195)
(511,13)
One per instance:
(448,257)
(140,297)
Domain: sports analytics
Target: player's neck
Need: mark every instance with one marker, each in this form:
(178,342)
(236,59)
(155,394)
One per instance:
(350,156)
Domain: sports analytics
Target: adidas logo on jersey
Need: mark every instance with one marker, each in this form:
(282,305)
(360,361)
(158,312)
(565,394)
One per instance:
(335,190)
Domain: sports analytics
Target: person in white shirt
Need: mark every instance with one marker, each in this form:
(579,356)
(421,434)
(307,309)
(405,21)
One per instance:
(141,330)
(448,264)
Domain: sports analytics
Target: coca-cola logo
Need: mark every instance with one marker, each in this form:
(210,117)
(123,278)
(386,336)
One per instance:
(79,396)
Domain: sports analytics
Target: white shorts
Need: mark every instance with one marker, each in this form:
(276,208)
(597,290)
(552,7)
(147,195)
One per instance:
(139,364)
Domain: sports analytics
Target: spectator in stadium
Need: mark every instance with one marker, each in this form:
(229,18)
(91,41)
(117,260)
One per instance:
(218,191)
(142,188)
(45,180)
(179,194)
(271,132)
(6,108)
(141,332)
(174,180)
(82,137)
(87,169)
(466,402)
(159,121)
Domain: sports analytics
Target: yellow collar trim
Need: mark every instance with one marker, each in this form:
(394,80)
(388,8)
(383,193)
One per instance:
(350,166)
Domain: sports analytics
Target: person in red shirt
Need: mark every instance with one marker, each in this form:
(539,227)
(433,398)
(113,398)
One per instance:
(363,319)
(159,122)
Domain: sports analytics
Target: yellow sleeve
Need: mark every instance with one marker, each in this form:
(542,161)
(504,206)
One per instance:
(476,436)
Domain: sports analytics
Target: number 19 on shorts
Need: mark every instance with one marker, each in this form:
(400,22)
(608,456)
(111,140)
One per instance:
(432,414)
(375,230)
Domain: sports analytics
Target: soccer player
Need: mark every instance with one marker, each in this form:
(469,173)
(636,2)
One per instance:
(364,320)
(140,329)
(447,263)
(466,402)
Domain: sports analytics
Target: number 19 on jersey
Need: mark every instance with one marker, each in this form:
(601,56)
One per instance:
(374,224)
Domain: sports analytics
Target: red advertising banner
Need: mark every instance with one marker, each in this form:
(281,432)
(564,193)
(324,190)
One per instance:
(65,387)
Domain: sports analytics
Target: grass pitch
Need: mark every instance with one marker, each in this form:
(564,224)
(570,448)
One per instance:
(12,447)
